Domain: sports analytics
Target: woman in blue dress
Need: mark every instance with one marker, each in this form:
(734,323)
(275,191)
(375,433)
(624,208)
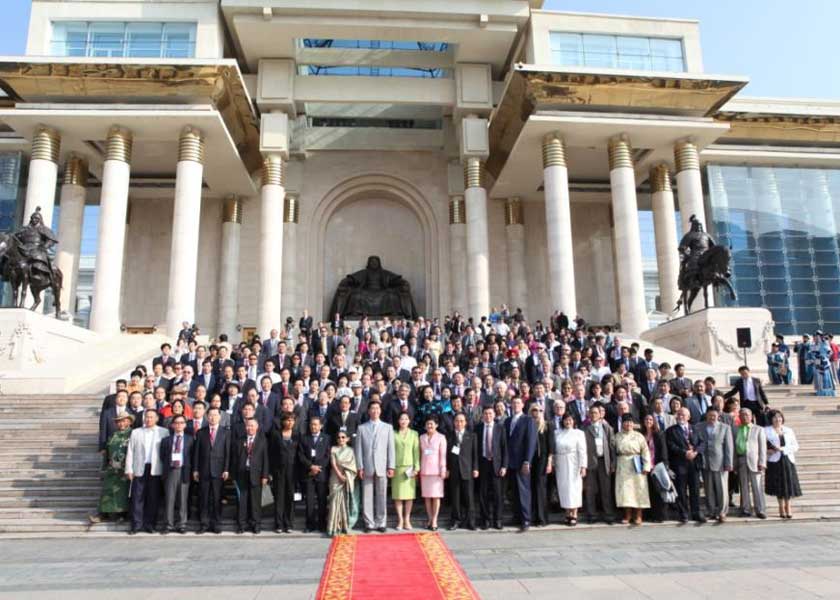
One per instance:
(820,356)
(778,366)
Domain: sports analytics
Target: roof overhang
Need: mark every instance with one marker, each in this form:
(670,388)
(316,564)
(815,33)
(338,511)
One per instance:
(216,83)
(84,129)
(535,88)
(787,122)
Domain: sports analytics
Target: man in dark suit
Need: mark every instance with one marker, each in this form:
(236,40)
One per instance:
(314,461)
(577,408)
(492,468)
(211,467)
(305,324)
(165,357)
(751,395)
(175,456)
(342,419)
(462,463)
(600,465)
(533,368)
(522,443)
(268,399)
(402,403)
(684,459)
(108,401)
(250,467)
(206,376)
(107,424)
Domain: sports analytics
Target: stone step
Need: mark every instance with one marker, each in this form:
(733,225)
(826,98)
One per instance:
(59,502)
(70,514)
(29,490)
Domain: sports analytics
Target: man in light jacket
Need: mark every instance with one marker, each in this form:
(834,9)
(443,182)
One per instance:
(143,468)
(375,460)
(715,445)
(751,462)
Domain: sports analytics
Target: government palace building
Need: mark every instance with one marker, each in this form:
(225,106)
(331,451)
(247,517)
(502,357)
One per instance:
(229,162)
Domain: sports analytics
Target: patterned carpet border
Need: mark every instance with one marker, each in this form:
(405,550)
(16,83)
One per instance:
(337,578)
(450,578)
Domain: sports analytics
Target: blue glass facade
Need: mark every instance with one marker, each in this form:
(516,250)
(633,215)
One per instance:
(783,225)
(634,53)
(119,39)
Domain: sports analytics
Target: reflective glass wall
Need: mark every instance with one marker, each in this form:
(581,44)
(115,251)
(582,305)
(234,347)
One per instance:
(10,203)
(782,225)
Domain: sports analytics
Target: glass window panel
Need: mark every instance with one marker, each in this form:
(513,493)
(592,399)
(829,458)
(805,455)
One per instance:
(804,300)
(567,49)
(666,48)
(782,314)
(600,51)
(806,314)
(799,258)
(772,257)
(804,326)
(777,300)
(747,284)
(179,40)
(749,257)
(143,40)
(801,271)
(777,286)
(828,286)
(745,270)
(831,314)
(107,39)
(798,243)
(770,242)
(69,38)
(634,53)
(749,299)
(798,285)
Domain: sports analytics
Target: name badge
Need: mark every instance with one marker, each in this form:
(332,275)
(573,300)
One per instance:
(179,456)
(313,452)
(456,450)
(343,429)
(427,452)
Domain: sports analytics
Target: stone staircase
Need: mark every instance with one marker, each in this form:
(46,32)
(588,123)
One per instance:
(49,466)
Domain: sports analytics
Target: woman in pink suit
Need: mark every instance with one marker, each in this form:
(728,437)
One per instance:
(432,469)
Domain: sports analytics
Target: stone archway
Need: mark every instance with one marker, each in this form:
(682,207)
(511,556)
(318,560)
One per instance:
(365,191)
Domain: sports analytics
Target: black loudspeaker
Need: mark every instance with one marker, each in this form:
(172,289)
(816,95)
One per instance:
(744,337)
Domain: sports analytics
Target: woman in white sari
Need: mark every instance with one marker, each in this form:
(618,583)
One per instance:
(567,459)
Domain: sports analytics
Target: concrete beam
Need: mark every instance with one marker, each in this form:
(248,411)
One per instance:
(379,90)
(340,57)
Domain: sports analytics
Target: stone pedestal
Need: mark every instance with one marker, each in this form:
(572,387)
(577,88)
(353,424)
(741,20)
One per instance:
(709,335)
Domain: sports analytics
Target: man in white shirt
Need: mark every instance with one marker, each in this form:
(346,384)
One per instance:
(599,369)
(143,469)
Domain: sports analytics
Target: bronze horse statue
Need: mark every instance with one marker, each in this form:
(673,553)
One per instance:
(703,263)
(26,264)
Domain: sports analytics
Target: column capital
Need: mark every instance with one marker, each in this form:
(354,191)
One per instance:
(75,171)
(686,156)
(660,178)
(45,144)
(273,171)
(119,144)
(291,209)
(457,210)
(232,209)
(553,151)
(514,214)
(473,173)
(620,152)
(191,145)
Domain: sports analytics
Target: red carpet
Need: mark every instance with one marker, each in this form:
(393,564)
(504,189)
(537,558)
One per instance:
(406,566)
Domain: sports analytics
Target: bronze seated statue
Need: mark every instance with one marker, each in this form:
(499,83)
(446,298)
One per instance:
(373,292)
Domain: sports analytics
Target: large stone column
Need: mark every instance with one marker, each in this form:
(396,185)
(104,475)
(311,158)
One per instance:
(113,204)
(229,266)
(291,217)
(632,313)
(458,254)
(270,287)
(558,221)
(689,184)
(665,232)
(515,238)
(186,221)
(43,174)
(478,247)
(690,196)
(73,191)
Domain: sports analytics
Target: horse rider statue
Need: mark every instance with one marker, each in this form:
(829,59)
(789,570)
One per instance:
(25,262)
(702,263)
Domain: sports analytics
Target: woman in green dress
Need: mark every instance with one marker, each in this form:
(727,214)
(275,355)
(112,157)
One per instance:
(343,505)
(113,501)
(407,458)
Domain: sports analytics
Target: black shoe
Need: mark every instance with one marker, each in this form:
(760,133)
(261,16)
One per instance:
(132,531)
(746,513)
(525,527)
(167,530)
(149,529)
(761,515)
(471,526)
(256,530)
(239,531)
(382,529)
(287,530)
(701,519)
(433,528)
(278,530)
(683,520)
(366,530)
(453,527)
(498,525)
(217,529)
(181,530)
(483,526)
(201,530)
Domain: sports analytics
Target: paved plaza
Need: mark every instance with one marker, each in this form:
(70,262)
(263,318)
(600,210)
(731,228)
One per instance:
(784,560)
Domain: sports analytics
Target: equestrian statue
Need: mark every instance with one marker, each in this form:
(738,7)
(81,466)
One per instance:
(702,263)
(26,262)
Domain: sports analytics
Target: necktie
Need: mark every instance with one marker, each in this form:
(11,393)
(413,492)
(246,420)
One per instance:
(265,398)
(488,442)
(460,437)
(196,425)
(212,436)
(177,463)
(661,422)
(250,448)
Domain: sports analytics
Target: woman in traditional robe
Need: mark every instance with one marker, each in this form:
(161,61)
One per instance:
(343,502)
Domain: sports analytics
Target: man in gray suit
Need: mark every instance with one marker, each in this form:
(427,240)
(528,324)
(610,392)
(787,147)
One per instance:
(143,469)
(751,461)
(715,445)
(600,465)
(375,461)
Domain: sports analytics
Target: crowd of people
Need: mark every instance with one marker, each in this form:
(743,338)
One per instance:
(472,417)
(818,361)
